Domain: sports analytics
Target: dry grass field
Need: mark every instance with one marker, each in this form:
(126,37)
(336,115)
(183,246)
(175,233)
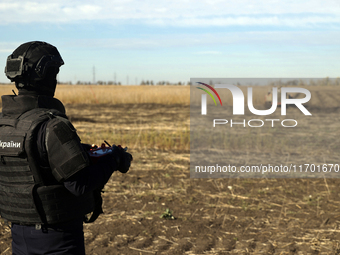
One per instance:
(211,216)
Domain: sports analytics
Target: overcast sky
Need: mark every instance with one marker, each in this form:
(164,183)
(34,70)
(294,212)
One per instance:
(178,40)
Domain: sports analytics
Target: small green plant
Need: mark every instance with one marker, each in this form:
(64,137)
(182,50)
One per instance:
(167,215)
(244,205)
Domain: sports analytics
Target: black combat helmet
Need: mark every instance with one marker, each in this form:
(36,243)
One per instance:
(34,66)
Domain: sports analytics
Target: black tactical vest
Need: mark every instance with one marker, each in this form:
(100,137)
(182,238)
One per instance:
(24,197)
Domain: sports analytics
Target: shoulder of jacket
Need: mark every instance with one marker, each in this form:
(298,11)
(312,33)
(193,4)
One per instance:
(62,129)
(60,121)
(34,117)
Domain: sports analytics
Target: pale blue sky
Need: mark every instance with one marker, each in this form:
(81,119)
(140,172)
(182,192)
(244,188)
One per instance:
(178,40)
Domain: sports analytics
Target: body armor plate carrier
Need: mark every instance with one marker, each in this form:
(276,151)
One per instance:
(24,197)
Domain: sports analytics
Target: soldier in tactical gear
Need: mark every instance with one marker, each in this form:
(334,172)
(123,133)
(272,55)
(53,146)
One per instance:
(47,181)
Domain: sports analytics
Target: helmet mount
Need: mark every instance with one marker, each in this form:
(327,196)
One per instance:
(34,65)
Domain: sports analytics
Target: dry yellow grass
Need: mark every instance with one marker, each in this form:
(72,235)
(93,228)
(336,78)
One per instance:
(171,134)
(167,95)
(92,94)
(89,94)
(7,89)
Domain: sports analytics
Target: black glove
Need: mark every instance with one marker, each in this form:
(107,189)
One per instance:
(122,158)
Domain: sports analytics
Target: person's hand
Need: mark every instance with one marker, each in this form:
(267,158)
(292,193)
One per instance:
(122,158)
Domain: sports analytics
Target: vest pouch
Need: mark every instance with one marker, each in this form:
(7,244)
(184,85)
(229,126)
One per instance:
(60,205)
(16,204)
(12,145)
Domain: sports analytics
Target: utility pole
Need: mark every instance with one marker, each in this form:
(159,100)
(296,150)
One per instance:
(94,75)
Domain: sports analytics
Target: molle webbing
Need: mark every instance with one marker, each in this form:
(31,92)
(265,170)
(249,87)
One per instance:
(18,176)
(24,198)
(60,205)
(16,187)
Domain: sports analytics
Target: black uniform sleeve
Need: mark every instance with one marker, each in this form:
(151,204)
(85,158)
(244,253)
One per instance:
(88,178)
(66,155)
(92,177)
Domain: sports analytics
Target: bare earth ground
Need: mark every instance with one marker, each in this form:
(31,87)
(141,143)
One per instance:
(212,216)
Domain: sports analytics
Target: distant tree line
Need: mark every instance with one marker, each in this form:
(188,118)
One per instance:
(312,82)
